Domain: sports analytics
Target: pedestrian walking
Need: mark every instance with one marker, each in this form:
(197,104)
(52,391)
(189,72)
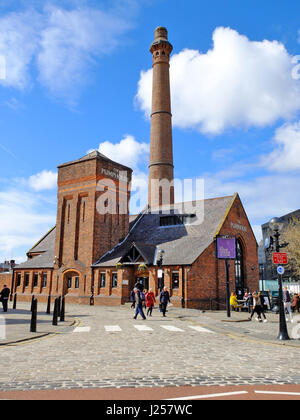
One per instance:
(296,303)
(150,302)
(139,305)
(287,303)
(256,307)
(164,300)
(262,304)
(132,299)
(4,295)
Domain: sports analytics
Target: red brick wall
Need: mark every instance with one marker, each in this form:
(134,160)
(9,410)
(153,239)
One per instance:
(5,279)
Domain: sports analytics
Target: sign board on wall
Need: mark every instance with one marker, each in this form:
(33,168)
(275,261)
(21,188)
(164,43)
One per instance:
(226,248)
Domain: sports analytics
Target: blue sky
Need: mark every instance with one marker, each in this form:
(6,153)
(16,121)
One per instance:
(78,75)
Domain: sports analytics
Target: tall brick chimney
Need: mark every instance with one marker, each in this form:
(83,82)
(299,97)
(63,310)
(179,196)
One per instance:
(161,149)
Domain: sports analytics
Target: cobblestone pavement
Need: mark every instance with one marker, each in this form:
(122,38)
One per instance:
(219,353)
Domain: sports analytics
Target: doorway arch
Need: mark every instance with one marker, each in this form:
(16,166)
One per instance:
(72,280)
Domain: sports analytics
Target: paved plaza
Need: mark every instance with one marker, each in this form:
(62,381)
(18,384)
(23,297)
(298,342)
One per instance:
(104,347)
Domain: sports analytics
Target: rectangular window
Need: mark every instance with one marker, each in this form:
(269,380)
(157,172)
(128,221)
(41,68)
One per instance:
(44,284)
(69,282)
(76,282)
(19,279)
(175,280)
(35,279)
(114,280)
(26,279)
(102,279)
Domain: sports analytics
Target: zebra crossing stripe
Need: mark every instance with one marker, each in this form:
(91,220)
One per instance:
(113,328)
(171,328)
(201,329)
(82,329)
(143,328)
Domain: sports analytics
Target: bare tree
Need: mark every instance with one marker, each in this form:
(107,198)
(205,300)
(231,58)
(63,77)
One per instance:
(292,236)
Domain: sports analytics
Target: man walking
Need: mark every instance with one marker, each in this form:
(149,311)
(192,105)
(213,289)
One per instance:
(287,302)
(139,304)
(164,300)
(4,295)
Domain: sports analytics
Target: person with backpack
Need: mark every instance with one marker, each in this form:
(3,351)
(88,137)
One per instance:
(150,302)
(139,304)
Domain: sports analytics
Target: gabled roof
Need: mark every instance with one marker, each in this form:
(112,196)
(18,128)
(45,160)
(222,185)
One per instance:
(182,244)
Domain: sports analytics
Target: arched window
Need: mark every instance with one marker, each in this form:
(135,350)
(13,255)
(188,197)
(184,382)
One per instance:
(239,270)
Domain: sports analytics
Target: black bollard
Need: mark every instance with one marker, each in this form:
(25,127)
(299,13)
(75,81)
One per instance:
(15,301)
(55,312)
(49,305)
(59,306)
(32,300)
(33,316)
(62,310)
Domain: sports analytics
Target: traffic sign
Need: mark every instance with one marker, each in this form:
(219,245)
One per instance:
(280,258)
(280,270)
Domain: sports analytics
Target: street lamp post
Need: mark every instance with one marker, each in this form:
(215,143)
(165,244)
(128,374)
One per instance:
(160,264)
(275,225)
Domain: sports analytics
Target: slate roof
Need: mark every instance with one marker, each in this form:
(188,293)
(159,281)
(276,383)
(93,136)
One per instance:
(93,155)
(46,247)
(182,244)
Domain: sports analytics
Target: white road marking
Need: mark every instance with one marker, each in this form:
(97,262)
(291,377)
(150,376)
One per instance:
(143,328)
(113,328)
(201,329)
(171,328)
(278,393)
(199,397)
(82,329)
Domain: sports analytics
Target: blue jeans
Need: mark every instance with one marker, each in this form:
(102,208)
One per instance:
(139,310)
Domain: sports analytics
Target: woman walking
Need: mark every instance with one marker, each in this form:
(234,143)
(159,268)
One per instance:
(256,307)
(150,301)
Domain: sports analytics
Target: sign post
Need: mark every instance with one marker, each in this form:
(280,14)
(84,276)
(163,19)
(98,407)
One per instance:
(226,250)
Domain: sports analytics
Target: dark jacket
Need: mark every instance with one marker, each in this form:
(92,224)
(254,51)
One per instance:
(5,293)
(286,296)
(139,286)
(164,297)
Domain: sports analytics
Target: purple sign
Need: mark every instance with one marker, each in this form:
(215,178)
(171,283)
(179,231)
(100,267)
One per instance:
(226,248)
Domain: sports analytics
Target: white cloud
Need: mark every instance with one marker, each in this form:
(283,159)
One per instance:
(19,37)
(128,151)
(24,219)
(238,83)
(45,180)
(71,41)
(286,155)
(62,43)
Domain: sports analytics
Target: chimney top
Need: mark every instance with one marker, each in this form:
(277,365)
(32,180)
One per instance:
(161,33)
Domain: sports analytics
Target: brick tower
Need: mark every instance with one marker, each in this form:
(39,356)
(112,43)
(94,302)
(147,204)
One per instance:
(161,168)
(92,217)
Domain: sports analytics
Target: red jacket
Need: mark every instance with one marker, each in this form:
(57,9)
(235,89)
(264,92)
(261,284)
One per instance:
(150,299)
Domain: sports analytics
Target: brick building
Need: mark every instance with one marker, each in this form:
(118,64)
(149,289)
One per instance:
(96,249)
